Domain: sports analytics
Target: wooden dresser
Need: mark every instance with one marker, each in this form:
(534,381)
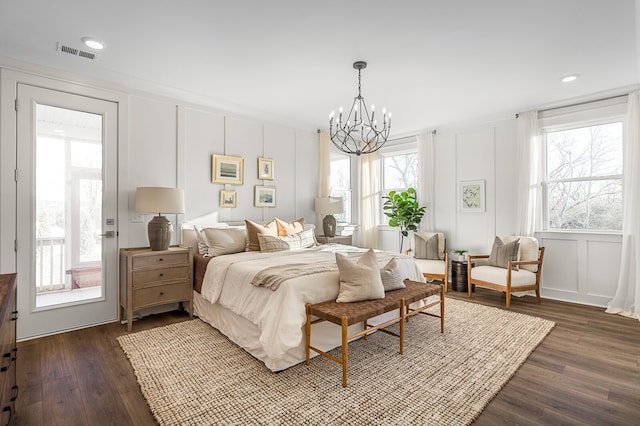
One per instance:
(151,278)
(8,348)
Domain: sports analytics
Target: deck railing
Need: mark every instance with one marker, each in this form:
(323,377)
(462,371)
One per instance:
(50,261)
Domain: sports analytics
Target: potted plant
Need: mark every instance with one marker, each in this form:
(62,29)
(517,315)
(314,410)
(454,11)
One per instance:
(461,254)
(403,211)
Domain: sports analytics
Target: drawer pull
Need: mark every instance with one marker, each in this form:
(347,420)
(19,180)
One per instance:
(15,354)
(162,274)
(14,316)
(14,388)
(162,293)
(160,260)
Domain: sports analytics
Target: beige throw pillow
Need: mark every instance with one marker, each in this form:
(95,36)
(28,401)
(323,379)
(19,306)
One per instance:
(426,247)
(359,280)
(502,253)
(391,276)
(271,244)
(223,241)
(253,229)
(289,228)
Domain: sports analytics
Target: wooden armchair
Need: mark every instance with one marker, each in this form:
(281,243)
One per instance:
(521,274)
(430,252)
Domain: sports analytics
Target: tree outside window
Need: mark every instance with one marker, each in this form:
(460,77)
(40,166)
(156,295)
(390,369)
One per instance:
(584,178)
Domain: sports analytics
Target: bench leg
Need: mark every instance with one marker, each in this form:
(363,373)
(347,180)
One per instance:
(442,309)
(345,350)
(308,334)
(402,319)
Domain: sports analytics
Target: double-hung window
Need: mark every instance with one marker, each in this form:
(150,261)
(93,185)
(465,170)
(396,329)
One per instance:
(340,165)
(583,178)
(399,170)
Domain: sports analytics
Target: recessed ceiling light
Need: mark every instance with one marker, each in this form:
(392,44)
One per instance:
(92,43)
(569,78)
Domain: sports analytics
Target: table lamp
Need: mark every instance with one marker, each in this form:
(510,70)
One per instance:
(328,206)
(159,200)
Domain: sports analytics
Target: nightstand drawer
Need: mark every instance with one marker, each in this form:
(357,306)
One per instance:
(159,294)
(160,259)
(159,275)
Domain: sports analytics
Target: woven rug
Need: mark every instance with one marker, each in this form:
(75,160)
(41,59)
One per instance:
(190,374)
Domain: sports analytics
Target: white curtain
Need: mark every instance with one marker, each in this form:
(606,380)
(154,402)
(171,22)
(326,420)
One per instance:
(627,298)
(529,165)
(426,179)
(324,169)
(369,203)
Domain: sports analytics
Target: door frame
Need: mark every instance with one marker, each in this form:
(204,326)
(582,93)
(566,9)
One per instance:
(10,76)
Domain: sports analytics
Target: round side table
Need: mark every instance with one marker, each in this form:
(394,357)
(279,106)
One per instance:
(459,281)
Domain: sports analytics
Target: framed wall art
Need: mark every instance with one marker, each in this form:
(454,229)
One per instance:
(265,196)
(472,195)
(265,168)
(226,169)
(228,199)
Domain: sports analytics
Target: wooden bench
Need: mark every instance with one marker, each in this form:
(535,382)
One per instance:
(346,314)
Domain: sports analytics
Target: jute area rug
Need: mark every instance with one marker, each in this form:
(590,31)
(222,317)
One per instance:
(191,374)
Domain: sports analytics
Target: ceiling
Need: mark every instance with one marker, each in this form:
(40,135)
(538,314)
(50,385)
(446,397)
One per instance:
(431,62)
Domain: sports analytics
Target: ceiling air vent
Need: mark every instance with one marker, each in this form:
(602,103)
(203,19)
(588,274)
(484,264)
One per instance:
(75,52)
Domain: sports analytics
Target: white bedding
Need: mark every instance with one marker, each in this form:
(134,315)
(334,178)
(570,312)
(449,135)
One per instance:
(278,315)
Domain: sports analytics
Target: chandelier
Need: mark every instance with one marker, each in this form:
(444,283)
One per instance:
(359,133)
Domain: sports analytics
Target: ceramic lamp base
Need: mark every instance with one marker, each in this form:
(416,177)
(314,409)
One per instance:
(159,231)
(329,226)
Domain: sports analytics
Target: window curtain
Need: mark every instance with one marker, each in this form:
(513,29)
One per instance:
(627,298)
(529,211)
(426,179)
(369,202)
(324,169)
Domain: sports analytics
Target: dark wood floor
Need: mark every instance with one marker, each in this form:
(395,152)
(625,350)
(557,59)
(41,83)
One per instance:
(587,371)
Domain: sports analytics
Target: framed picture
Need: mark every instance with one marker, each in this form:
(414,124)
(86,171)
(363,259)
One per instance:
(472,195)
(227,169)
(265,168)
(265,196)
(228,199)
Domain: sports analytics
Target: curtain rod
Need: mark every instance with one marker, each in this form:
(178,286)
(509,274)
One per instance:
(580,103)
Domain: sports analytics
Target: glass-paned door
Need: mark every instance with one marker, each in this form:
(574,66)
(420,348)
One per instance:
(67,224)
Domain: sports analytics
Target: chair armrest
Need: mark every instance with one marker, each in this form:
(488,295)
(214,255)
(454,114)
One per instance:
(525,262)
(477,256)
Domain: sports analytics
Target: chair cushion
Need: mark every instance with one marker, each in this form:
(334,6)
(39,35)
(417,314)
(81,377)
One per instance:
(527,250)
(428,245)
(391,275)
(502,253)
(359,280)
(495,275)
(427,266)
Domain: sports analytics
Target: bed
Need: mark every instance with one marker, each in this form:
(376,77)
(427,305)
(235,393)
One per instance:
(267,317)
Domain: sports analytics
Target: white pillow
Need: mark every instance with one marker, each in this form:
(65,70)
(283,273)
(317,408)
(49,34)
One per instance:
(203,247)
(271,244)
(359,280)
(391,276)
(221,241)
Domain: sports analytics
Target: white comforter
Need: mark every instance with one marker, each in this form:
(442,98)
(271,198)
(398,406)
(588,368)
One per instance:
(280,314)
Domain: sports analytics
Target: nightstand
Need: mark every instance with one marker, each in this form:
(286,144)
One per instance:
(151,278)
(338,239)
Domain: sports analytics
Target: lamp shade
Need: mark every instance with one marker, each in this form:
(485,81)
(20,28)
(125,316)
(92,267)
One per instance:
(159,200)
(329,205)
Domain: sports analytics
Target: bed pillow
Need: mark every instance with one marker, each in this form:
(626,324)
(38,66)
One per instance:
(203,248)
(502,253)
(359,280)
(391,276)
(426,246)
(289,228)
(221,241)
(271,244)
(253,229)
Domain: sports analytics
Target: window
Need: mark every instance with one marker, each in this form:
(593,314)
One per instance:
(584,177)
(399,171)
(341,183)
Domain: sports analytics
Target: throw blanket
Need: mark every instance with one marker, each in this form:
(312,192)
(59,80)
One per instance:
(306,264)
